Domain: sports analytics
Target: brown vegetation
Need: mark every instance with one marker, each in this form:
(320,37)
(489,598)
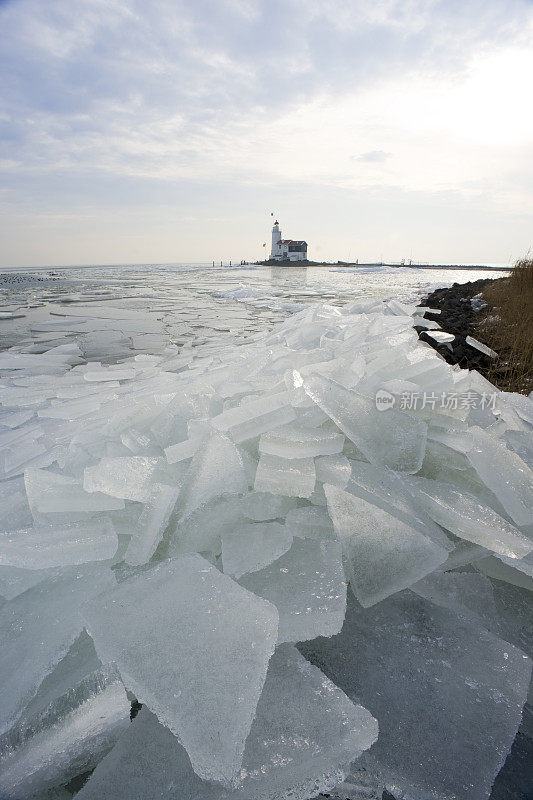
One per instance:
(507,327)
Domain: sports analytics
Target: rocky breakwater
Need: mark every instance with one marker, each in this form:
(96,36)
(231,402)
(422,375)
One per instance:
(455,309)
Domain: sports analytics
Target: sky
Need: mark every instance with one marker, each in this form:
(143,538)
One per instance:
(168,131)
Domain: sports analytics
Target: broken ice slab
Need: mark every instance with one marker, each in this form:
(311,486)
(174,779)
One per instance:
(294,441)
(310,522)
(386,489)
(217,469)
(37,628)
(524,564)
(66,739)
(14,509)
(73,409)
(481,347)
(292,477)
(468,594)
(50,492)
(502,571)
(441,336)
(109,374)
(263,506)
(465,516)
(453,437)
(148,761)
(125,477)
(391,438)
(520,442)
(307,586)
(202,529)
(382,553)
(305,733)
(505,474)
(77,664)
(333,469)
(21,455)
(14,581)
(255,417)
(198,658)
(521,404)
(448,694)
(463,553)
(151,524)
(58,546)
(251,547)
(184,450)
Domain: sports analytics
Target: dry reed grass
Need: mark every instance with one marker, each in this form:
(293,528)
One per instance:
(508,328)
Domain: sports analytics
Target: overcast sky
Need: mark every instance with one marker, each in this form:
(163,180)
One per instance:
(136,131)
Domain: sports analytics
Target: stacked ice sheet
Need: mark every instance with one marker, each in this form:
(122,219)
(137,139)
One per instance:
(308,557)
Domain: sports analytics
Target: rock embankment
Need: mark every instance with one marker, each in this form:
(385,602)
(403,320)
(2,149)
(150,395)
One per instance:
(459,307)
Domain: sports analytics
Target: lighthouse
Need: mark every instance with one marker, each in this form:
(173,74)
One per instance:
(287,249)
(276,239)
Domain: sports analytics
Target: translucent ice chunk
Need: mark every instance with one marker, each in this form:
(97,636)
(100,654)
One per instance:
(201,530)
(14,509)
(293,441)
(49,492)
(206,643)
(66,739)
(80,661)
(386,489)
(391,438)
(127,477)
(293,477)
(308,588)
(249,548)
(109,374)
(448,694)
(304,735)
(455,438)
(468,594)
(217,469)
(333,469)
(505,474)
(38,627)
(148,761)
(465,516)
(496,568)
(382,553)
(151,524)
(480,346)
(255,417)
(441,336)
(14,581)
(184,450)
(58,546)
(262,506)
(310,522)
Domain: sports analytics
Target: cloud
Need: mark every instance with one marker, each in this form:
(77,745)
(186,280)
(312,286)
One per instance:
(237,93)
(373,156)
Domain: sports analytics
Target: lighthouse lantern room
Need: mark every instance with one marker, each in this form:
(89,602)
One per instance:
(287,249)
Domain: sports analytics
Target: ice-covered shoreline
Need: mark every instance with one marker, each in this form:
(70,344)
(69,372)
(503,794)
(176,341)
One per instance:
(263,477)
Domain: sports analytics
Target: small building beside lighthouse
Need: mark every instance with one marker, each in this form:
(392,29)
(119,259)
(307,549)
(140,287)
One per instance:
(287,249)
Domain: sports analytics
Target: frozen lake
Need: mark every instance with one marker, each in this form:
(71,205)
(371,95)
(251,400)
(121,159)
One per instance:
(257,502)
(116,312)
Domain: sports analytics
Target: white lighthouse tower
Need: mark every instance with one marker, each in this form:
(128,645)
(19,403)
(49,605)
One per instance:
(287,249)
(276,239)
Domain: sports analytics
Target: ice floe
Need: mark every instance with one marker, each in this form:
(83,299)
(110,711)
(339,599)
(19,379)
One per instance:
(308,555)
